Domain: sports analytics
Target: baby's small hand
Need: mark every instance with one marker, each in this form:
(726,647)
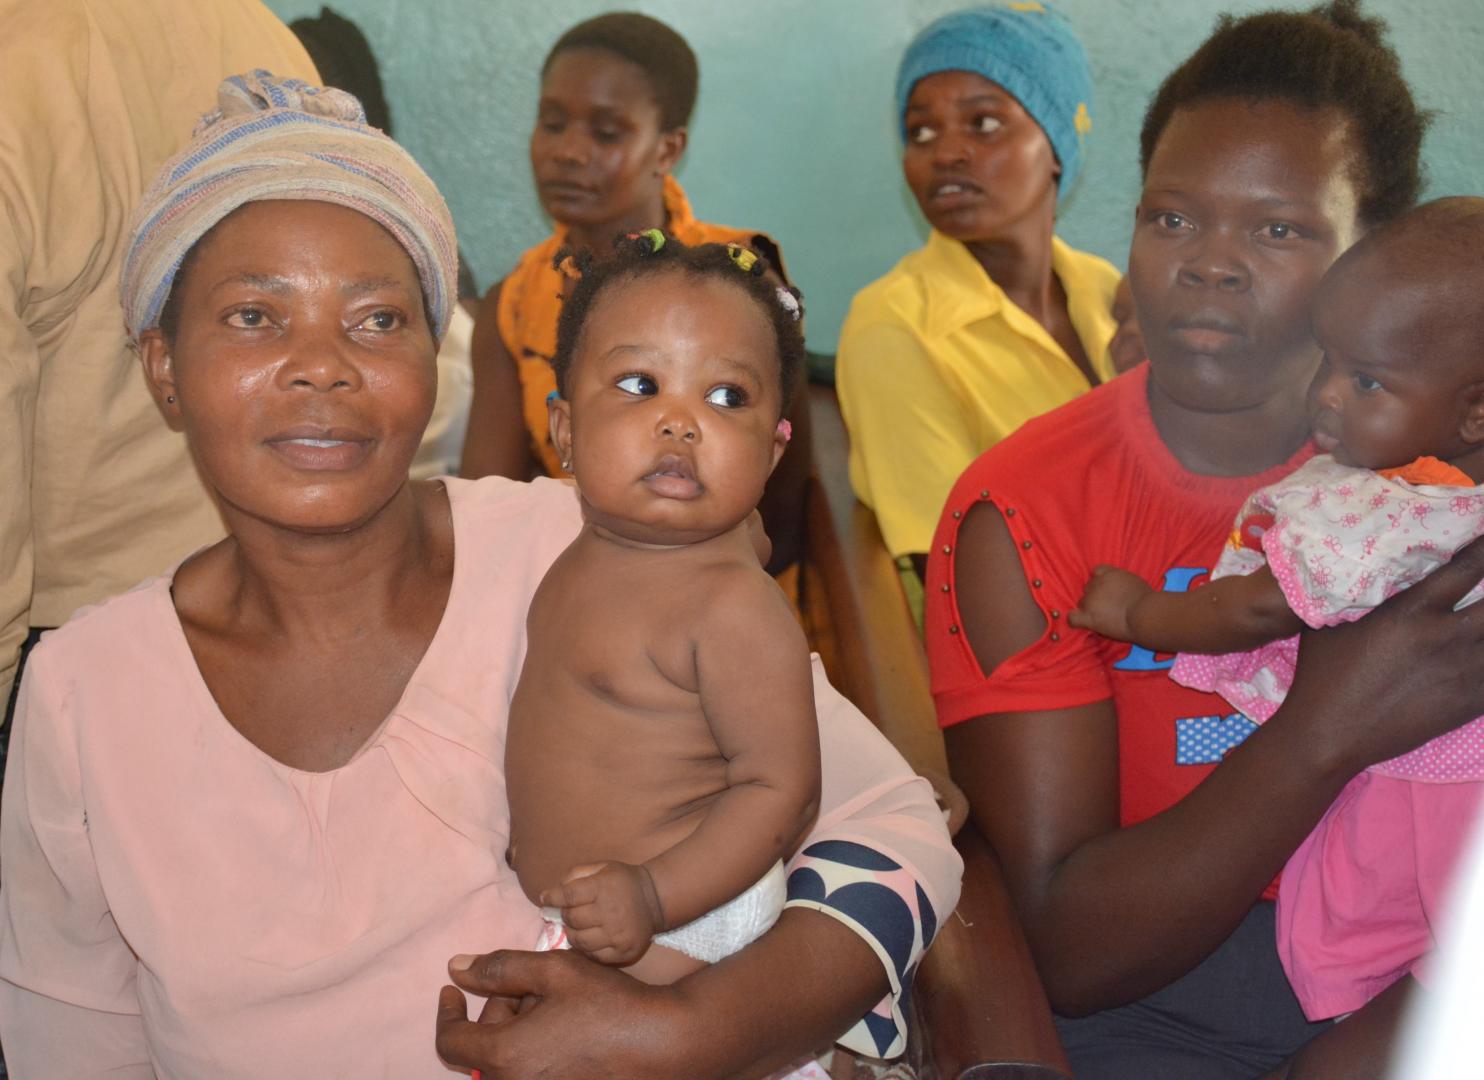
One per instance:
(611,910)
(1108,602)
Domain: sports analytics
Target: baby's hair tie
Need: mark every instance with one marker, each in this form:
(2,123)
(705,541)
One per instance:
(553,396)
(747,261)
(785,429)
(647,241)
(788,299)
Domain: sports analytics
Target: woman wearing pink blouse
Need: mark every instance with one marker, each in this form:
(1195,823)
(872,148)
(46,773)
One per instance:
(254,806)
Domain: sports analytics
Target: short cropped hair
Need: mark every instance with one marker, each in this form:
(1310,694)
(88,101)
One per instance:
(662,54)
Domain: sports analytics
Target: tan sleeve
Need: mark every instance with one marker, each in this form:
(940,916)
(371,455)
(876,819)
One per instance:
(19,378)
(43,148)
(98,94)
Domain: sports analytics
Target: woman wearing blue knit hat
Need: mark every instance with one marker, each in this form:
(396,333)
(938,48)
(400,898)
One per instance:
(995,320)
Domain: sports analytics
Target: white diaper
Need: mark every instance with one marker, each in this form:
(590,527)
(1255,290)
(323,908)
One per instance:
(716,934)
(738,922)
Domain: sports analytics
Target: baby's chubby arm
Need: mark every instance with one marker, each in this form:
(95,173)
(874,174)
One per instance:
(1230,614)
(756,689)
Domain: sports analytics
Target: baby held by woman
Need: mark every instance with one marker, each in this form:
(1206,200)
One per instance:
(663,754)
(1397,408)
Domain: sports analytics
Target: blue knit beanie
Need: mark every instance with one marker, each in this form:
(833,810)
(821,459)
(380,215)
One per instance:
(1028,48)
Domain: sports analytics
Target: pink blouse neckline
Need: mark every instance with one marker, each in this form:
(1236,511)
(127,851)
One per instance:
(196,680)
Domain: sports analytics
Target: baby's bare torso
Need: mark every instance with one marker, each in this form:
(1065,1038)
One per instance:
(609,756)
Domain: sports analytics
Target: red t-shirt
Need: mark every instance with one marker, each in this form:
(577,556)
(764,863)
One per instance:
(1089,483)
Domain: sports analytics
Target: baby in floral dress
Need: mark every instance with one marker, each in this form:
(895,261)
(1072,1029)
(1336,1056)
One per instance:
(1398,414)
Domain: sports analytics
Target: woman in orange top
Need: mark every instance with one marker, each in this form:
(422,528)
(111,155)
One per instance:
(616,95)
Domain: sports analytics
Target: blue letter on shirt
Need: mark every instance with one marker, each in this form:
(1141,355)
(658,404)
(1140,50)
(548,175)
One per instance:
(1177,579)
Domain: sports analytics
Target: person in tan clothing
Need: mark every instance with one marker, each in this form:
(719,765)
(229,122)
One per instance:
(95,492)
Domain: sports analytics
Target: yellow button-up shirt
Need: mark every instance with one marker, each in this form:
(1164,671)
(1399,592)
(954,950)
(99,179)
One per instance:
(936,364)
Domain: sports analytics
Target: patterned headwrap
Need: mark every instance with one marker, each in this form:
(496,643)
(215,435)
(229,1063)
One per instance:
(276,138)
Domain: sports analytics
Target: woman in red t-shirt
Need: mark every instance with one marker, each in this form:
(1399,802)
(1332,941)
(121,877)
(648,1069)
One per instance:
(1138,824)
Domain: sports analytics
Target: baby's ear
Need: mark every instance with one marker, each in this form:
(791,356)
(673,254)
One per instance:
(1471,429)
(559,417)
(781,435)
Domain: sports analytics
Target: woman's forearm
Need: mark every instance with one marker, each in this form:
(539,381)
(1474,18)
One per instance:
(1114,913)
(804,983)
(791,992)
(1127,911)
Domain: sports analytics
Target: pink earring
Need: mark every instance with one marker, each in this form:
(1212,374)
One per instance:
(785,429)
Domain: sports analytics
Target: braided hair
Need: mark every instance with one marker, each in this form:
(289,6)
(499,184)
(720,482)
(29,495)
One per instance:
(648,253)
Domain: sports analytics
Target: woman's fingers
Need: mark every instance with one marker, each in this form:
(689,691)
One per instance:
(457,1038)
(451,1004)
(504,977)
(1446,586)
(507,973)
(1400,676)
(498,1009)
(626,1028)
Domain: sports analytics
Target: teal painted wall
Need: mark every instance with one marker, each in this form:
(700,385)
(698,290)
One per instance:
(794,131)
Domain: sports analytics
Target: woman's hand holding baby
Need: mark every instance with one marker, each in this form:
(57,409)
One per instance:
(556,1015)
(1108,603)
(611,910)
(1408,672)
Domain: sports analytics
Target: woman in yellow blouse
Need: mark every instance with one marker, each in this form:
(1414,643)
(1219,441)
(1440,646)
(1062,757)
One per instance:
(995,320)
